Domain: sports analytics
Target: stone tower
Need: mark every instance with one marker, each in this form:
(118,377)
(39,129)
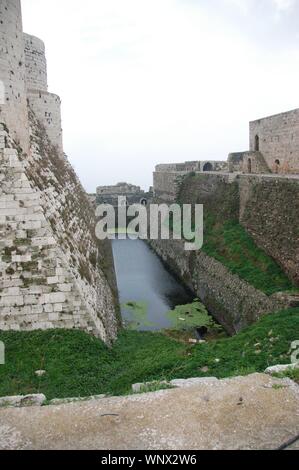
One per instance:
(54,273)
(12,72)
(46,106)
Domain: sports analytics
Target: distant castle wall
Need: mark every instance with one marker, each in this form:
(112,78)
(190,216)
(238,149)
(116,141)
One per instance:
(277,138)
(133,194)
(204,165)
(13,112)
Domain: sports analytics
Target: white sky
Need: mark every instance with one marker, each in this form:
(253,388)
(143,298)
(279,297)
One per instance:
(151,81)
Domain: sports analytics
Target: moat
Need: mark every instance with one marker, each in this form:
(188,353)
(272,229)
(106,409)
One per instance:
(143,281)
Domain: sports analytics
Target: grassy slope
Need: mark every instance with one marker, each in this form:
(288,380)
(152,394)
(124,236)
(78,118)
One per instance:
(80,365)
(226,240)
(229,243)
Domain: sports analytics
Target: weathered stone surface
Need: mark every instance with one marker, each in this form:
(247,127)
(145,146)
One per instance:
(182,383)
(12,71)
(34,267)
(202,416)
(278,140)
(266,205)
(269,211)
(142,387)
(63,401)
(23,400)
(232,301)
(281,368)
(54,273)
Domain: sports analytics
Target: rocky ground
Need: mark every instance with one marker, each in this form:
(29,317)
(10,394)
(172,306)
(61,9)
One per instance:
(253,412)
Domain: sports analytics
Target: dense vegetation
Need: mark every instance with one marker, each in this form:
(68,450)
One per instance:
(226,240)
(77,364)
(229,243)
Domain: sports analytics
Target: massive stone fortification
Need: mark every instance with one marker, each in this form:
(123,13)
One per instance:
(54,273)
(277,138)
(274,146)
(110,194)
(201,166)
(268,207)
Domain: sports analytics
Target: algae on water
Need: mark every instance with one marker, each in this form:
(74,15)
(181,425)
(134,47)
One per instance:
(138,315)
(183,317)
(193,315)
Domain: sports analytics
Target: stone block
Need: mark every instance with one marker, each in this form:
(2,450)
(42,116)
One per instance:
(55,298)
(23,400)
(278,369)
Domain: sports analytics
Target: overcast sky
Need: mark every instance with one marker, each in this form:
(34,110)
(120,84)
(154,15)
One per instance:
(151,81)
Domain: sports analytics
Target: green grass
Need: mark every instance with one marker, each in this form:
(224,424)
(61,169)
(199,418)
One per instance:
(80,365)
(291,374)
(229,243)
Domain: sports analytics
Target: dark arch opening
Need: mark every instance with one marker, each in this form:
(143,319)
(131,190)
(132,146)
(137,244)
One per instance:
(143,201)
(208,167)
(277,164)
(249,165)
(257,143)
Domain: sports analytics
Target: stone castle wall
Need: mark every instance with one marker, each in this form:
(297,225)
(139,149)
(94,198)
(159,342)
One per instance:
(248,162)
(233,302)
(12,72)
(267,206)
(277,138)
(201,166)
(269,210)
(166,184)
(54,273)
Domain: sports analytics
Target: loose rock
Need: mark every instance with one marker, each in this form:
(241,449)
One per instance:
(23,400)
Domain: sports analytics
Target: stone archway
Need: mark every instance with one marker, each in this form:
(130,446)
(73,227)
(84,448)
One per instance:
(207,167)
